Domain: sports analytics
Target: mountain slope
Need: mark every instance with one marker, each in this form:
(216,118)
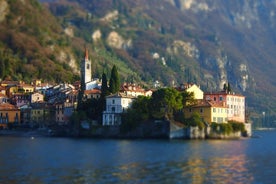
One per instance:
(173,41)
(32,44)
(204,41)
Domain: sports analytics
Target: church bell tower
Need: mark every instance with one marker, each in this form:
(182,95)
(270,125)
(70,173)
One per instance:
(86,68)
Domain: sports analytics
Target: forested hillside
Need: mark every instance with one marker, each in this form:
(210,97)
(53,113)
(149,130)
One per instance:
(207,42)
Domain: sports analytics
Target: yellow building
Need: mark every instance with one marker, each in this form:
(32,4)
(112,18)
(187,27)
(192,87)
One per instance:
(8,114)
(198,93)
(41,114)
(25,88)
(210,112)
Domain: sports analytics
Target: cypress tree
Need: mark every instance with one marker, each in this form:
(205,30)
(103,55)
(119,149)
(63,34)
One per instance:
(224,87)
(229,87)
(104,93)
(104,89)
(114,82)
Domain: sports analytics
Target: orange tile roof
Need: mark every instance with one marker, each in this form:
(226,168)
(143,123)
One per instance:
(7,106)
(205,103)
(92,91)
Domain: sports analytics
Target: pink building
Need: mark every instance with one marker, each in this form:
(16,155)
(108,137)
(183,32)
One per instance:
(235,104)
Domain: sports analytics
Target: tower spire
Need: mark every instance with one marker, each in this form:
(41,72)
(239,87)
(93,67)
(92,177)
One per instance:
(86,53)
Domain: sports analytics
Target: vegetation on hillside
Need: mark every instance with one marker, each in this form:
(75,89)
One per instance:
(30,44)
(190,47)
(156,40)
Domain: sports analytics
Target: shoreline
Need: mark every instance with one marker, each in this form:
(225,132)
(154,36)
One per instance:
(24,133)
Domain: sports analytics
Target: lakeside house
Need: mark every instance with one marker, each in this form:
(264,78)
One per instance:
(116,104)
(235,104)
(209,111)
(9,114)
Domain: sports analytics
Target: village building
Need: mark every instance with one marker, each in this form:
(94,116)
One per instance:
(208,111)
(134,90)
(20,99)
(2,90)
(116,104)
(25,113)
(11,90)
(92,94)
(37,97)
(192,88)
(9,114)
(42,114)
(235,104)
(8,83)
(63,112)
(25,88)
(3,98)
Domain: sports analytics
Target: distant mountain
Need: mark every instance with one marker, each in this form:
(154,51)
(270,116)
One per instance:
(207,42)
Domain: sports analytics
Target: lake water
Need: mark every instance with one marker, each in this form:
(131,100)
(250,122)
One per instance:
(66,160)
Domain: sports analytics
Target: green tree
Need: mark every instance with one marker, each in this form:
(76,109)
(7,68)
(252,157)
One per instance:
(229,87)
(225,87)
(139,112)
(114,82)
(188,98)
(195,120)
(104,93)
(104,89)
(165,102)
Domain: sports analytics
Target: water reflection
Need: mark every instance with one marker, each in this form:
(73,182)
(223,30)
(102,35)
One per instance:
(140,161)
(216,170)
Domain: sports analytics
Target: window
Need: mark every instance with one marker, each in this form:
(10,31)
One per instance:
(214,109)
(220,120)
(214,119)
(87,66)
(201,110)
(113,101)
(190,110)
(215,99)
(220,98)
(113,109)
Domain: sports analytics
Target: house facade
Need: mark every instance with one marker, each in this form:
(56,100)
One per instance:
(134,90)
(115,105)
(63,112)
(37,97)
(42,114)
(9,114)
(208,111)
(192,88)
(92,94)
(235,104)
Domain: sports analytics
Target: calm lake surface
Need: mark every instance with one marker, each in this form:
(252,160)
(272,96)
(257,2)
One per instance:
(66,160)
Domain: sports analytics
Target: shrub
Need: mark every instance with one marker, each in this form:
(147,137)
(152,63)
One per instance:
(227,128)
(237,126)
(194,121)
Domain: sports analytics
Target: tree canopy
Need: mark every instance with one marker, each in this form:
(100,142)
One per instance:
(165,101)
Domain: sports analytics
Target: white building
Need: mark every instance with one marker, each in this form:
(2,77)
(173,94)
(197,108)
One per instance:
(37,97)
(116,104)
